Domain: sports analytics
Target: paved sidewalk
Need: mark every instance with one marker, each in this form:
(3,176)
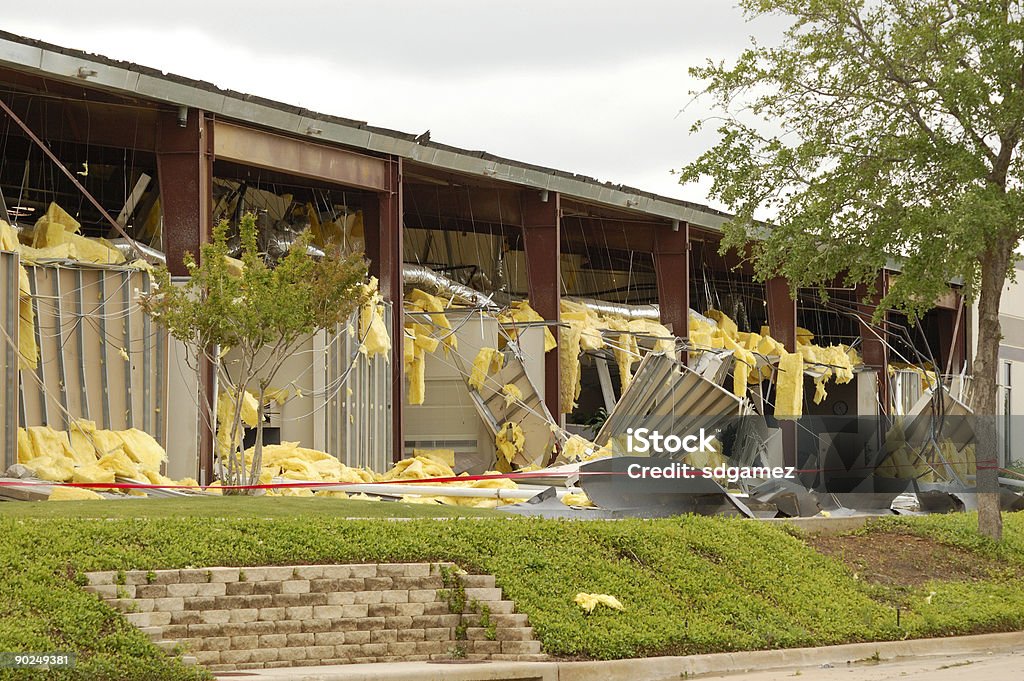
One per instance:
(990,657)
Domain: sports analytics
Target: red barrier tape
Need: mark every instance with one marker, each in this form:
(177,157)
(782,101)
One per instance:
(418,481)
(284,485)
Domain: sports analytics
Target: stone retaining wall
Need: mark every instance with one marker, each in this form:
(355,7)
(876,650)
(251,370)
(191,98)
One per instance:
(251,618)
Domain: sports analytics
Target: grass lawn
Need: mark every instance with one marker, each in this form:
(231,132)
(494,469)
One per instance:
(689,584)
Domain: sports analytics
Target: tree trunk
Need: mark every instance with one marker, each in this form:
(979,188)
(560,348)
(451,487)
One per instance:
(994,266)
(257,456)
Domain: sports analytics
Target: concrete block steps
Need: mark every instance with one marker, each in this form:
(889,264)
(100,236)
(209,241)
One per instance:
(232,619)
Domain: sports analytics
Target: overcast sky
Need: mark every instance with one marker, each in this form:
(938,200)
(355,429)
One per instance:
(588,86)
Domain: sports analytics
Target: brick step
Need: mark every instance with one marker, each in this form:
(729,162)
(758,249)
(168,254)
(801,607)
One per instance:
(258,574)
(517,620)
(300,656)
(335,638)
(167,645)
(500,633)
(502,647)
(148,619)
(154,633)
(292,626)
(477,581)
(501,657)
(233,619)
(496,607)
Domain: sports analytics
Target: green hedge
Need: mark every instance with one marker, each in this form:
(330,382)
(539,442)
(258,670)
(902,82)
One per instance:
(689,585)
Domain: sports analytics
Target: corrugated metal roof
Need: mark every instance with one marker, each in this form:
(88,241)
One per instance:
(127,78)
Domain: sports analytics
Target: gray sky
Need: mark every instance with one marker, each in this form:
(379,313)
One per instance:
(587,86)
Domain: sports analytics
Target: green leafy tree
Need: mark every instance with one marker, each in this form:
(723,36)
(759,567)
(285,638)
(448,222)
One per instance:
(263,313)
(876,130)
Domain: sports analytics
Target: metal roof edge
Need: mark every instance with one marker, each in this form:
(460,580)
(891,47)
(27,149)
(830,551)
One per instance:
(121,77)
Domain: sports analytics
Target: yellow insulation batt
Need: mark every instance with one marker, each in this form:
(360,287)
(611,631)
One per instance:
(928,463)
(578,499)
(521,313)
(73,494)
(510,442)
(578,449)
(789,389)
(590,601)
(93,473)
(426,302)
(143,449)
(511,393)
(226,419)
(625,349)
(372,330)
(81,433)
(445,456)
(49,442)
(56,235)
(421,338)
(29,353)
(569,360)
(119,464)
(835,362)
(85,454)
(53,468)
(488,361)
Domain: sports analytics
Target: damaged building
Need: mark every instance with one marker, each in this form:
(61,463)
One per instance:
(530,316)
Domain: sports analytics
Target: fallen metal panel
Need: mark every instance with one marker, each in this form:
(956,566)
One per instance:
(667,396)
(607,484)
(9,267)
(529,412)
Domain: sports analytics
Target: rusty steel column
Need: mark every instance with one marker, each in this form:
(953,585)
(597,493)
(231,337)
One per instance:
(542,215)
(672,269)
(382,227)
(184,163)
(874,351)
(781,312)
(952,339)
(782,323)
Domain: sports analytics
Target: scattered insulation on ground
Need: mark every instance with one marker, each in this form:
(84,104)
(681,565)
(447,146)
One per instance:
(590,601)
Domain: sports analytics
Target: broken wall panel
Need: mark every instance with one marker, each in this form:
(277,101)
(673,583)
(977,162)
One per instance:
(9,303)
(359,401)
(496,407)
(100,357)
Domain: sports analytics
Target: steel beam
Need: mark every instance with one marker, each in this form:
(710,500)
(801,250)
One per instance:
(874,348)
(382,221)
(541,227)
(472,204)
(301,157)
(672,269)
(185,173)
